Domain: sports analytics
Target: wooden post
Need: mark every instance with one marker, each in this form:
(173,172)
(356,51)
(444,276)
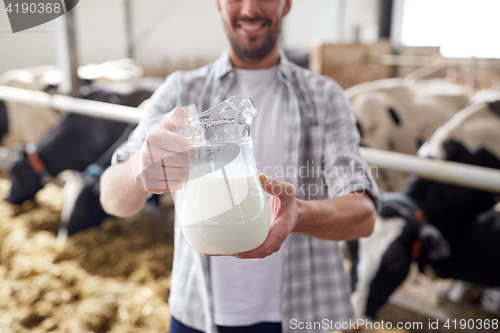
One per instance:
(385,18)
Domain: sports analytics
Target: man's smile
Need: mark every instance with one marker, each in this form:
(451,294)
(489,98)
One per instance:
(252,28)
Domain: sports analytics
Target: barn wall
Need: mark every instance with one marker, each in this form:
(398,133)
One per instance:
(178,32)
(100,30)
(25,49)
(361,21)
(323,20)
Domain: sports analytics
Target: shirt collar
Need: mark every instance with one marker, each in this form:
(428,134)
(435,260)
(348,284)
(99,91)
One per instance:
(223,66)
(285,66)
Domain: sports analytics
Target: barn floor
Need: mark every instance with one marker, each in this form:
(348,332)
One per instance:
(421,299)
(111,279)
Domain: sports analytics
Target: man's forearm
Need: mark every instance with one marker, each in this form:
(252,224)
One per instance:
(343,218)
(120,196)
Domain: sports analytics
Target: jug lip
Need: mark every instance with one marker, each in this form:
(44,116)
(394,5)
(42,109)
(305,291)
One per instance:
(201,114)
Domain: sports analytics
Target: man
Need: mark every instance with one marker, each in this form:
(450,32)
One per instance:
(305,126)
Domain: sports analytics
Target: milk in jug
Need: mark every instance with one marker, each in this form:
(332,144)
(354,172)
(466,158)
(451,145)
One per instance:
(224,209)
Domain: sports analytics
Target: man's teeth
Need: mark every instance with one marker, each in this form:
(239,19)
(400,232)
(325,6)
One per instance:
(251,27)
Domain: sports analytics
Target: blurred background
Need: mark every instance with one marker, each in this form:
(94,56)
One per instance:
(178,34)
(423,78)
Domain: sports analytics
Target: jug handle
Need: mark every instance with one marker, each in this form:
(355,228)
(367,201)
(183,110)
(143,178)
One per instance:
(186,133)
(192,112)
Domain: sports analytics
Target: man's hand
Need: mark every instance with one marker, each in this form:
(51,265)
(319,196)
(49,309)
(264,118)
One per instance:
(161,165)
(284,216)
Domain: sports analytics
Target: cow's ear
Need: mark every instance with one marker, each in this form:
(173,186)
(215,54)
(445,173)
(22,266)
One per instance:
(394,116)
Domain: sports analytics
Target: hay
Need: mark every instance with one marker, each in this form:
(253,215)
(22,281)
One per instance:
(115,278)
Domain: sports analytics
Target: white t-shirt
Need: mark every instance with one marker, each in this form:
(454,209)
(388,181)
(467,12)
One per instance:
(249,291)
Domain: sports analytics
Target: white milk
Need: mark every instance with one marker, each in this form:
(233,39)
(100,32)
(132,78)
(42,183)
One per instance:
(212,223)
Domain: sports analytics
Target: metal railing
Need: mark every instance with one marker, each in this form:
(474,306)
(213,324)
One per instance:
(85,107)
(444,171)
(461,174)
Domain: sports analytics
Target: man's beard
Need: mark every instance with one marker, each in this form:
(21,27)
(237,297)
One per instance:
(263,50)
(258,53)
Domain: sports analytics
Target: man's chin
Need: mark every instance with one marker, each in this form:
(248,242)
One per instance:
(253,43)
(253,51)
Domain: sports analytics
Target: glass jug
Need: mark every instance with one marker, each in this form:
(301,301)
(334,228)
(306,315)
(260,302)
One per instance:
(224,209)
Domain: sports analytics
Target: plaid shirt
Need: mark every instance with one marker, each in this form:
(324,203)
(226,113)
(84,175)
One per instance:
(320,135)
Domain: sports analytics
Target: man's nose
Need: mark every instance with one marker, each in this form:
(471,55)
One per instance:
(250,8)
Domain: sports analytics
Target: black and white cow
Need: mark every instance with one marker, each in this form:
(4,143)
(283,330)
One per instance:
(21,123)
(472,137)
(81,205)
(469,226)
(397,116)
(381,262)
(77,141)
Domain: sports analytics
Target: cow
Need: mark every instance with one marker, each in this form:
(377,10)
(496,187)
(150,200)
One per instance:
(76,142)
(21,123)
(397,116)
(468,219)
(472,136)
(81,205)
(381,262)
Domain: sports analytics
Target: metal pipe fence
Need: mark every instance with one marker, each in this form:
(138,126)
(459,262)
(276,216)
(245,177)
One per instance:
(85,107)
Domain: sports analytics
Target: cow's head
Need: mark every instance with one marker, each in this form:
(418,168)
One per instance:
(382,120)
(381,262)
(81,207)
(383,110)
(25,182)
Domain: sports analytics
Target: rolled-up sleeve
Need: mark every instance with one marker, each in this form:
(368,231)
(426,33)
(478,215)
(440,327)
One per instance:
(161,102)
(345,170)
